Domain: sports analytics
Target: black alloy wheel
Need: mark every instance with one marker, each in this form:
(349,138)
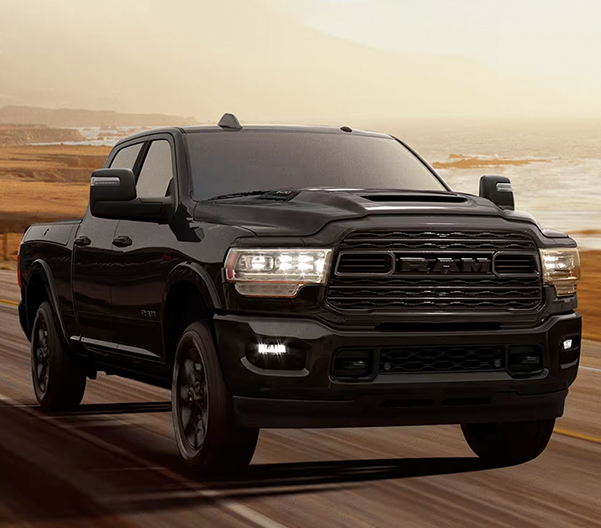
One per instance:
(206,432)
(59,382)
(193,400)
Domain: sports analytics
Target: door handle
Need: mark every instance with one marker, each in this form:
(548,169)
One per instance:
(82,241)
(122,241)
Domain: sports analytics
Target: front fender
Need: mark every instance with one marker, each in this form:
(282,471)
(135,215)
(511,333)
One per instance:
(40,268)
(197,275)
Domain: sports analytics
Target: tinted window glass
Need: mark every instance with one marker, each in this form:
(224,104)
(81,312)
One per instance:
(226,162)
(157,171)
(126,157)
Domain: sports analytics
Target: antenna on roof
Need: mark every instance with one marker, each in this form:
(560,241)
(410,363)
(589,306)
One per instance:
(230,121)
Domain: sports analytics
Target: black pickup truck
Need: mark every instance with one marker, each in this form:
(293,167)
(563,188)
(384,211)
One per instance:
(288,276)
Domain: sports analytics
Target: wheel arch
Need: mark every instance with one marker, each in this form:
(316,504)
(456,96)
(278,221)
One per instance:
(190,295)
(41,288)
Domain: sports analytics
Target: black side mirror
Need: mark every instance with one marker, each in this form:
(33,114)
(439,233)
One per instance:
(113,195)
(112,185)
(498,190)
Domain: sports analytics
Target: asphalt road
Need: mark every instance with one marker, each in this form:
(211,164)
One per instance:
(114,463)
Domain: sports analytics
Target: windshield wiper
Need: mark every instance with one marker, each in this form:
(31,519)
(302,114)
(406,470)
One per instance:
(238,195)
(273,194)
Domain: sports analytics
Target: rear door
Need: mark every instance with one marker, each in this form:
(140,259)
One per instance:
(143,258)
(93,268)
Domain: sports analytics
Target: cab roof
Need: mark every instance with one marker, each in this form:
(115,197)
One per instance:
(196,129)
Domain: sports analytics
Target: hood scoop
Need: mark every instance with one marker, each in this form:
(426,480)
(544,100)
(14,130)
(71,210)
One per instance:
(430,198)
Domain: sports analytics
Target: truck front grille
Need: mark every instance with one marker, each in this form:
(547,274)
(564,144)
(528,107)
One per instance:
(454,270)
(445,240)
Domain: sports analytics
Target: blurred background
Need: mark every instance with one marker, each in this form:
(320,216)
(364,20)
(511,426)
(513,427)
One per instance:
(476,86)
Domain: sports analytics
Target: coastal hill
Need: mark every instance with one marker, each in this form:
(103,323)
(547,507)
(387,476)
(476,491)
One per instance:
(67,117)
(26,134)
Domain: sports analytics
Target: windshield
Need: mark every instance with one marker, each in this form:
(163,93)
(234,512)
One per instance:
(227,162)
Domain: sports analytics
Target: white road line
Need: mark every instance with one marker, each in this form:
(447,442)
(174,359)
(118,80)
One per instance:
(240,510)
(590,368)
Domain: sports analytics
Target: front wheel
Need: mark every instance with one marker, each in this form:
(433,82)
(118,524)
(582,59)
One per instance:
(509,442)
(59,383)
(203,417)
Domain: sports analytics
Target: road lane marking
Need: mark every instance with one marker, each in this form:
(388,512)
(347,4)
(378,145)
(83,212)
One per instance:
(580,436)
(590,368)
(237,509)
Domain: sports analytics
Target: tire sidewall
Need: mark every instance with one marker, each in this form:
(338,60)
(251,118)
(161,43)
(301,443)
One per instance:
(220,413)
(44,313)
(510,442)
(66,378)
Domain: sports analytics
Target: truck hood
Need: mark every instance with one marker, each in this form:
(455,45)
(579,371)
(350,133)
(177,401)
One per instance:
(304,212)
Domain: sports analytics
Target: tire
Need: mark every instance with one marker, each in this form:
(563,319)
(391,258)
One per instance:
(58,382)
(510,442)
(203,416)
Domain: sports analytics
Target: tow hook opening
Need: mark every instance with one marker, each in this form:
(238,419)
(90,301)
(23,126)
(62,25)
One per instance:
(525,360)
(357,363)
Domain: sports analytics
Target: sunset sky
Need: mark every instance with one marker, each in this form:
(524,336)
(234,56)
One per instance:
(282,60)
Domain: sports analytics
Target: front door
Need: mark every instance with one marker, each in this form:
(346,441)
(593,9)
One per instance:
(143,260)
(92,254)
(93,270)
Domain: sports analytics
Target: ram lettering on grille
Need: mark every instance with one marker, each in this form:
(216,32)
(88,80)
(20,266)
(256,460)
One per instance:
(397,270)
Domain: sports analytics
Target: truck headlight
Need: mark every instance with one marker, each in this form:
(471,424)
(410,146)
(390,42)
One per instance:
(561,268)
(276,272)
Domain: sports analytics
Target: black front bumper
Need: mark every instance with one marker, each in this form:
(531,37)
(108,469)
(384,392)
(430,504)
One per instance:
(310,396)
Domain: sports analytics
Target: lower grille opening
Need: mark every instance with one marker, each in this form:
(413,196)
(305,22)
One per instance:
(442,358)
(366,363)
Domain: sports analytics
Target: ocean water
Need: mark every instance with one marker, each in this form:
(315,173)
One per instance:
(560,184)
(98,136)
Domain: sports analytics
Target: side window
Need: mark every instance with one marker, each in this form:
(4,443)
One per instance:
(126,157)
(157,172)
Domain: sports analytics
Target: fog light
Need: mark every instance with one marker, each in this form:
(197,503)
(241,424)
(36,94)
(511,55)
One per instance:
(264,348)
(277,356)
(569,351)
